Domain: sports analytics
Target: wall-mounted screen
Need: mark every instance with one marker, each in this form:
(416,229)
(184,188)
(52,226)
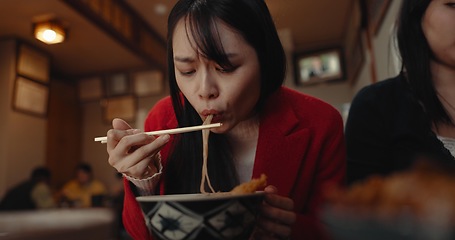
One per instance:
(318,66)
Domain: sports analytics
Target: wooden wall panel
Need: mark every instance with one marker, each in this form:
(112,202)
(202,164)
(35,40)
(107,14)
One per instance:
(63,132)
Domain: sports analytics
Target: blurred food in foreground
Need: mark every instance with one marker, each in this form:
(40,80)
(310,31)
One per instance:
(418,201)
(425,189)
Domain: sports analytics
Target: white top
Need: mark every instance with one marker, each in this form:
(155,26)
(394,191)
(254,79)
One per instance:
(449,143)
(244,139)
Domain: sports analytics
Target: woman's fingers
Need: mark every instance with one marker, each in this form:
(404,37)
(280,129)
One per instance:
(120,124)
(114,136)
(135,163)
(121,142)
(120,130)
(147,150)
(277,215)
(278,207)
(278,201)
(137,170)
(131,151)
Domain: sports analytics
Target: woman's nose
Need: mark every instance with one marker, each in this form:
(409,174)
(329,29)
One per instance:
(208,88)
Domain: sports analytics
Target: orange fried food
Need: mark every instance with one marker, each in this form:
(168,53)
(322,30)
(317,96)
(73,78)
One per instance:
(426,191)
(251,186)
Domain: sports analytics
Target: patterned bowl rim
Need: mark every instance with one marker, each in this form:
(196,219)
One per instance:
(197,197)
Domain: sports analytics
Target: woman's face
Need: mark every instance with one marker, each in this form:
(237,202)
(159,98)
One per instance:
(438,26)
(229,94)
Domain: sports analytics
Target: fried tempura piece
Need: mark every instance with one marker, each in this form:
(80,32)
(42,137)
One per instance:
(251,186)
(426,191)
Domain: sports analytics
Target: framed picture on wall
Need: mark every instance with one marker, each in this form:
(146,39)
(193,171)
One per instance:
(117,84)
(30,97)
(318,66)
(33,64)
(123,107)
(90,89)
(148,83)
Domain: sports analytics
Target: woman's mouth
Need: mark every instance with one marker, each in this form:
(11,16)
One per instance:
(207,112)
(217,116)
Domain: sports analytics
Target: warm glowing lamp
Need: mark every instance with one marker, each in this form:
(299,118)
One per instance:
(50,32)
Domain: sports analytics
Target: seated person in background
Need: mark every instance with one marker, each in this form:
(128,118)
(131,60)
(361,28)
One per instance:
(394,122)
(33,193)
(84,188)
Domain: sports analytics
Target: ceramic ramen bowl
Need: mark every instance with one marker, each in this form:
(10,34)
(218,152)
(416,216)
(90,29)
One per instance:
(201,216)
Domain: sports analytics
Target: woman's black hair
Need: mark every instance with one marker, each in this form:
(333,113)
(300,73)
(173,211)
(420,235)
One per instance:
(252,20)
(416,55)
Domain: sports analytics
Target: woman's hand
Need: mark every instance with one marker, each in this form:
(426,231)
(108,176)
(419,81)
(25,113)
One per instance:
(132,152)
(277,216)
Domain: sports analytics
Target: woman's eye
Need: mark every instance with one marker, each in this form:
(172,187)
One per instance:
(225,70)
(451,4)
(187,73)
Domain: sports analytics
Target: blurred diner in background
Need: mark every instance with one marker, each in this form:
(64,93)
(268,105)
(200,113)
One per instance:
(84,190)
(32,194)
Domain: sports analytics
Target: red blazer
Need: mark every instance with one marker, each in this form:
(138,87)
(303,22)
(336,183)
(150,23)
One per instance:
(300,148)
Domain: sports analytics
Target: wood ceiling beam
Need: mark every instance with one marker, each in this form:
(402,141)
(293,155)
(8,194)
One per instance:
(125,25)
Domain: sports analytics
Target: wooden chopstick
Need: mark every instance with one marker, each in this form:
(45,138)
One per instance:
(171,131)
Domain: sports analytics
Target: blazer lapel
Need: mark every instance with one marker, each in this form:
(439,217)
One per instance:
(281,148)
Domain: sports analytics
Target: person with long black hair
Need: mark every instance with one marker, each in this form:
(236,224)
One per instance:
(225,59)
(395,122)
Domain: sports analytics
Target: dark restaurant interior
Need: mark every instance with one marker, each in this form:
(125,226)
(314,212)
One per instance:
(56,98)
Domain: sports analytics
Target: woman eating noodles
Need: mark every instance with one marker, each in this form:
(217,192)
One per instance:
(225,60)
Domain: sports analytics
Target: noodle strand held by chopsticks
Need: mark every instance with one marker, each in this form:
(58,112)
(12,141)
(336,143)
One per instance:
(205,152)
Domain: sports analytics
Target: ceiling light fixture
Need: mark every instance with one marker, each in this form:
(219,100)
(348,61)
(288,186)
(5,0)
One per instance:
(49,32)
(160,9)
